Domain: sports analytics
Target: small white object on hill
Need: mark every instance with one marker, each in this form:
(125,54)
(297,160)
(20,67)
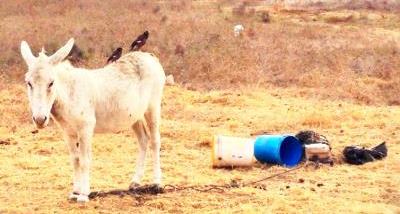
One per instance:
(169,80)
(237,30)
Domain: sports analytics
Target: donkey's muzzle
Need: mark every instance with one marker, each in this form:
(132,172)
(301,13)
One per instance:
(40,121)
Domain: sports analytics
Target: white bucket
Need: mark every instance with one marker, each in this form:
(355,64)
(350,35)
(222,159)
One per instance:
(232,151)
(319,150)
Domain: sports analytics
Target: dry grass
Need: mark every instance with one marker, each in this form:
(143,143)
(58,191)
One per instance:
(337,72)
(342,54)
(36,174)
(391,5)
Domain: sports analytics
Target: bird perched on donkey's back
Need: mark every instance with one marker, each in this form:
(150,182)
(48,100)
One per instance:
(115,55)
(140,41)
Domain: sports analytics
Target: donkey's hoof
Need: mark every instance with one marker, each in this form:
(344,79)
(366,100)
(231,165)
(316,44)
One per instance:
(73,196)
(134,185)
(157,188)
(82,198)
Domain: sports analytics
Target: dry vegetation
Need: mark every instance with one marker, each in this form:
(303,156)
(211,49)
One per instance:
(337,72)
(346,54)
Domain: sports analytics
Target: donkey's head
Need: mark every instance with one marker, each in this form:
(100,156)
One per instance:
(41,80)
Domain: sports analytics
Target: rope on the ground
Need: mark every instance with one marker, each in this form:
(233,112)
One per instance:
(154,189)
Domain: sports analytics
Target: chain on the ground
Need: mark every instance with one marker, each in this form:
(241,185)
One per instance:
(154,190)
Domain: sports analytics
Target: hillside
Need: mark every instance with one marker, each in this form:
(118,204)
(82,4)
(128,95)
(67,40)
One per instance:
(344,54)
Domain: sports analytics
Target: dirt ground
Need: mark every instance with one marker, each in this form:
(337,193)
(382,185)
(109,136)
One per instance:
(35,175)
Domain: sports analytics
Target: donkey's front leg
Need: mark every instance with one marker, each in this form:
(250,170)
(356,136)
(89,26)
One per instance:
(71,139)
(85,155)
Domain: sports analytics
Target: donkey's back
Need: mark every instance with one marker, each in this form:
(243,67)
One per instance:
(127,89)
(139,64)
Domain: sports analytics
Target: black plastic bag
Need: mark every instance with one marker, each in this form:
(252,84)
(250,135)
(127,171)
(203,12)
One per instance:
(359,155)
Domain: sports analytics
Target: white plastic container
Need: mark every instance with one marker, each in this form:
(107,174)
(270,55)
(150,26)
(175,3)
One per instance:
(319,150)
(232,151)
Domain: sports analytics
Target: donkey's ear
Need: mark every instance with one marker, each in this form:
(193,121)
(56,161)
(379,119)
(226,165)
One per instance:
(62,53)
(27,53)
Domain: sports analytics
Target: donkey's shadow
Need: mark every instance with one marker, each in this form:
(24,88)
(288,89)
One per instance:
(135,192)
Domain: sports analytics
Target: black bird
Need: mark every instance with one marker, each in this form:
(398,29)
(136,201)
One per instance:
(115,55)
(140,41)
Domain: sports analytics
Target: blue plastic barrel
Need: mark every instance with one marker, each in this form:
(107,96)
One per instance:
(278,149)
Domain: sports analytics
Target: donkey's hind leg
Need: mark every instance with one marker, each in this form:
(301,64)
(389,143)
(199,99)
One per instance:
(153,117)
(142,137)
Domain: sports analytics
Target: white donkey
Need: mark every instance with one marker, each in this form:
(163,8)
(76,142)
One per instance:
(126,93)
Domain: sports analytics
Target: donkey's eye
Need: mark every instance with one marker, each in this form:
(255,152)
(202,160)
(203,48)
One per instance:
(29,84)
(51,84)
